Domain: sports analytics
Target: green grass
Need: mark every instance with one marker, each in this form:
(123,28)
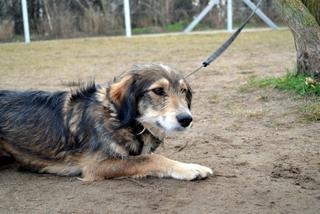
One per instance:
(175,27)
(18,38)
(293,82)
(145,30)
(289,82)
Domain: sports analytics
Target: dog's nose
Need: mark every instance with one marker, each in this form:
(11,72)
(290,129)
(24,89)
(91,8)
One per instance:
(184,119)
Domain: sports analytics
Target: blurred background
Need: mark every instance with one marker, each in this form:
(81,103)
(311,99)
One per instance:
(54,19)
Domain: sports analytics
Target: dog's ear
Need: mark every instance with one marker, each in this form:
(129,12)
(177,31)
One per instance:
(119,89)
(123,95)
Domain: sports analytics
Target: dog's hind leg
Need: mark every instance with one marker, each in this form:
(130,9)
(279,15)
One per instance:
(24,160)
(5,158)
(145,165)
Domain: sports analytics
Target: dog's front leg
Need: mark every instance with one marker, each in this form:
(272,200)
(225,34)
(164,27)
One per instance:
(145,165)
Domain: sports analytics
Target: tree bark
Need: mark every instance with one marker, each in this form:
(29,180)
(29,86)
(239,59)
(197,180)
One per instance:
(314,8)
(306,33)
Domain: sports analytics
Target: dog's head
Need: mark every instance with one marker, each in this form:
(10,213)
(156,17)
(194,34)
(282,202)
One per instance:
(155,95)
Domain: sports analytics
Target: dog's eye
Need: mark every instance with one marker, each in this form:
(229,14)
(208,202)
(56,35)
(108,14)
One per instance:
(183,90)
(159,91)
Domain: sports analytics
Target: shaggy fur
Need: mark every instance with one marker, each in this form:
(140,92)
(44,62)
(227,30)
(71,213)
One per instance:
(100,132)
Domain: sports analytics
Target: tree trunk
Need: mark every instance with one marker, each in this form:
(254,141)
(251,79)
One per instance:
(306,33)
(314,8)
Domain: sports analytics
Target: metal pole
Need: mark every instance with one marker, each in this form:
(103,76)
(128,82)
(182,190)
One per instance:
(127,17)
(261,15)
(25,21)
(229,14)
(203,13)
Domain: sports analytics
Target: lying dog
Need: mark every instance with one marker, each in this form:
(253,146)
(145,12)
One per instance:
(101,132)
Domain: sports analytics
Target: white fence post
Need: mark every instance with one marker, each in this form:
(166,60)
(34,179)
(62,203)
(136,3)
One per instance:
(203,13)
(229,14)
(261,14)
(126,6)
(25,21)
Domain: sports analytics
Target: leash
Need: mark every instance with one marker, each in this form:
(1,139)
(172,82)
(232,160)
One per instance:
(225,45)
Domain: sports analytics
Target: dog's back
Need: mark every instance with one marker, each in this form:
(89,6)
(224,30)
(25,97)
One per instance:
(31,122)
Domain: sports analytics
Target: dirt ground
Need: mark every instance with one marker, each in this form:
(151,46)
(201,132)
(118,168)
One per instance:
(265,156)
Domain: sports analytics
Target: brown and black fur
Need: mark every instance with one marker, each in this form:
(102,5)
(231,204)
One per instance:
(94,132)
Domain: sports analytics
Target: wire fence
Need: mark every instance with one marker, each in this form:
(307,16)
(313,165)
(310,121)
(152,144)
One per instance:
(52,19)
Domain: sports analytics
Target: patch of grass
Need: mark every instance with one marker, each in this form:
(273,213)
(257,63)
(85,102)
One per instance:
(311,112)
(254,113)
(289,82)
(243,111)
(175,27)
(262,97)
(301,84)
(19,38)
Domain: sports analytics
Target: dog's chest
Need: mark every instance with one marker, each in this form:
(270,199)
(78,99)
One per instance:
(124,143)
(149,143)
(144,144)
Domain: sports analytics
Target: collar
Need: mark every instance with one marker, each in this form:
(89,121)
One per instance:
(139,129)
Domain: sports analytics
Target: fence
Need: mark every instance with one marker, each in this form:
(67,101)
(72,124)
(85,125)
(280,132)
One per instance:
(51,19)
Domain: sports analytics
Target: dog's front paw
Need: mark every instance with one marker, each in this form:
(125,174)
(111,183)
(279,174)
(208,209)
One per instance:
(189,171)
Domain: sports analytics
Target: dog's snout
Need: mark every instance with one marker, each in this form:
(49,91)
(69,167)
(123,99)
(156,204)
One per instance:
(184,119)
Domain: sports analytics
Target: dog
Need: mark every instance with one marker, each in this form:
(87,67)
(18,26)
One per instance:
(101,131)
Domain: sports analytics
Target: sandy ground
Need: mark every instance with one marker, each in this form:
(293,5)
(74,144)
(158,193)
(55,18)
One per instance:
(266,157)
